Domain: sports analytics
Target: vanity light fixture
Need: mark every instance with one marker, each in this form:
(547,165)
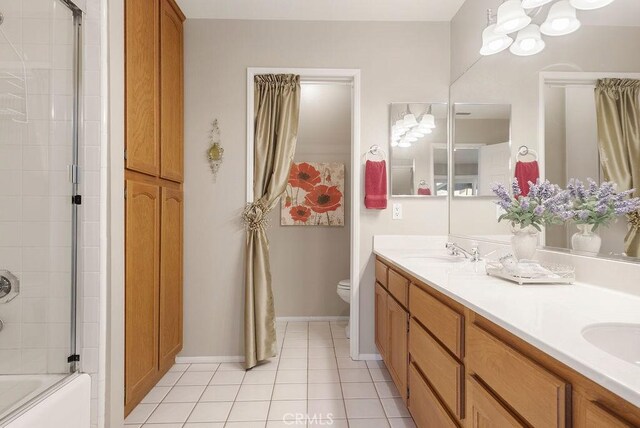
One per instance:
(528,41)
(590,4)
(561,20)
(511,17)
(404,143)
(428,120)
(492,42)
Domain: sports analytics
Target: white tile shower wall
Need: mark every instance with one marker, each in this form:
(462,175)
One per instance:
(35,123)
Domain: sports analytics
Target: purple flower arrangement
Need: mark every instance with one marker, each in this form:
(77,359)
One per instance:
(547,203)
(542,206)
(598,205)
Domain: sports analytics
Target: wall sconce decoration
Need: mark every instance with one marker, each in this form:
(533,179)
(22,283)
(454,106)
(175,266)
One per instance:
(215,152)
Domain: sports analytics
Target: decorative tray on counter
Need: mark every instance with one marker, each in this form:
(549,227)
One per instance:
(562,274)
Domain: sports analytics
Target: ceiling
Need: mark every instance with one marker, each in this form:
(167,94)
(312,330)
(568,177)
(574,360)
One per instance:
(323,10)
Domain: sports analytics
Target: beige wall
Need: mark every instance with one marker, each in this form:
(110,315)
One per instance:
(308,261)
(397,60)
(506,78)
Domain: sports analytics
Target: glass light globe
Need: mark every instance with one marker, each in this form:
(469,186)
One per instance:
(561,20)
(511,17)
(590,4)
(528,42)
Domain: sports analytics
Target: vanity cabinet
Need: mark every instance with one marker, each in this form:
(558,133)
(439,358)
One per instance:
(154,127)
(462,370)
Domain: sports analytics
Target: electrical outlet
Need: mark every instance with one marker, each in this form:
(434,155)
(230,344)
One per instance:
(397,211)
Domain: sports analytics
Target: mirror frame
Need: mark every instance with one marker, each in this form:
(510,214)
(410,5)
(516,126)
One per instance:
(448,139)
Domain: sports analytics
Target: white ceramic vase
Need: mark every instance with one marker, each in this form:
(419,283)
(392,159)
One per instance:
(524,242)
(586,240)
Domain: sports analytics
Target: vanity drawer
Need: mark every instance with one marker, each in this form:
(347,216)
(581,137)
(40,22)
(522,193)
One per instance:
(399,287)
(484,410)
(598,416)
(442,370)
(443,322)
(537,395)
(381,273)
(424,406)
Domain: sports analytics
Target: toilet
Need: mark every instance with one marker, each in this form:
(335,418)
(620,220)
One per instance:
(344,291)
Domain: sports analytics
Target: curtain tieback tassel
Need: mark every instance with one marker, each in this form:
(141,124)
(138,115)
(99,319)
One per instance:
(254,216)
(634,219)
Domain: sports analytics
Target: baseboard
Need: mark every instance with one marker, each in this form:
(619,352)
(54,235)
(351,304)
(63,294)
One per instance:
(312,319)
(370,357)
(210,360)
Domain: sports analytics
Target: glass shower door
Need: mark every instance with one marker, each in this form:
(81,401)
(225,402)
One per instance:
(39,95)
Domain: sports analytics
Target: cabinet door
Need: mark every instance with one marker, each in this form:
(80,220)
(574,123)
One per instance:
(171,93)
(170,276)
(397,350)
(598,416)
(484,410)
(142,251)
(142,88)
(382,315)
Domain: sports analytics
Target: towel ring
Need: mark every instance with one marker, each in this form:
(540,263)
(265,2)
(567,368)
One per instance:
(375,150)
(524,151)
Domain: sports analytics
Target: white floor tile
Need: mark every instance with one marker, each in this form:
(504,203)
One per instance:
(249,411)
(320,343)
(169,379)
(178,425)
(287,410)
(204,425)
(339,343)
(324,376)
(245,424)
(293,353)
(364,409)
(156,394)
(297,326)
(140,414)
(255,393)
(290,391)
(227,377)
(195,379)
(395,408)
(355,375)
(376,364)
(326,409)
(171,413)
(179,367)
(261,377)
(231,367)
(296,335)
(322,335)
(322,363)
(210,412)
(201,367)
(348,363)
(291,376)
(380,375)
(295,343)
(387,390)
(322,353)
(342,351)
(359,390)
(271,364)
(220,393)
(293,364)
(184,394)
(402,423)
(339,333)
(335,423)
(368,423)
(288,424)
(325,391)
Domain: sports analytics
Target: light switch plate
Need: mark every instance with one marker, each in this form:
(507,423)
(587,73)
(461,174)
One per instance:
(397,211)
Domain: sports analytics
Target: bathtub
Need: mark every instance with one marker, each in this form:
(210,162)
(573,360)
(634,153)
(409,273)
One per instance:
(52,401)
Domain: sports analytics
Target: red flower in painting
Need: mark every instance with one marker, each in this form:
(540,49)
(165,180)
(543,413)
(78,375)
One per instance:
(304,176)
(324,198)
(300,213)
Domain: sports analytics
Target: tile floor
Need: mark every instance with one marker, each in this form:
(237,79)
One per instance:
(313,382)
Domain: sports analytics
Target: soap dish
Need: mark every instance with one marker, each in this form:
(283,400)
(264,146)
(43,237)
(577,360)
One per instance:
(562,274)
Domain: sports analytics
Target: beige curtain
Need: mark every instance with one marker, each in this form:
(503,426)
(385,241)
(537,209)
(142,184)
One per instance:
(618,112)
(277,107)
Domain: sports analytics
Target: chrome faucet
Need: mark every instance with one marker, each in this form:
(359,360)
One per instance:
(455,250)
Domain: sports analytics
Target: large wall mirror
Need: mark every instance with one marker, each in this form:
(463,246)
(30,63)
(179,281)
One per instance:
(418,140)
(556,123)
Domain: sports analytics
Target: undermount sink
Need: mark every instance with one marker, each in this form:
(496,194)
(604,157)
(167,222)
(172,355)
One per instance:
(620,340)
(435,259)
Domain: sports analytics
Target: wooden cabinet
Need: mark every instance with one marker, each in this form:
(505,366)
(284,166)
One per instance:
(154,202)
(171,276)
(485,411)
(142,93)
(142,249)
(382,321)
(456,368)
(397,354)
(171,92)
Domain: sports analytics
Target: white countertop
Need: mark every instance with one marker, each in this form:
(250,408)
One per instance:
(549,317)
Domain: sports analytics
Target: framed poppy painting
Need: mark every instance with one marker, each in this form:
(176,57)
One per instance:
(314,195)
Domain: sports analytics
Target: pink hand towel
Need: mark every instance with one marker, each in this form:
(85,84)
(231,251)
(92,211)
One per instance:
(375,185)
